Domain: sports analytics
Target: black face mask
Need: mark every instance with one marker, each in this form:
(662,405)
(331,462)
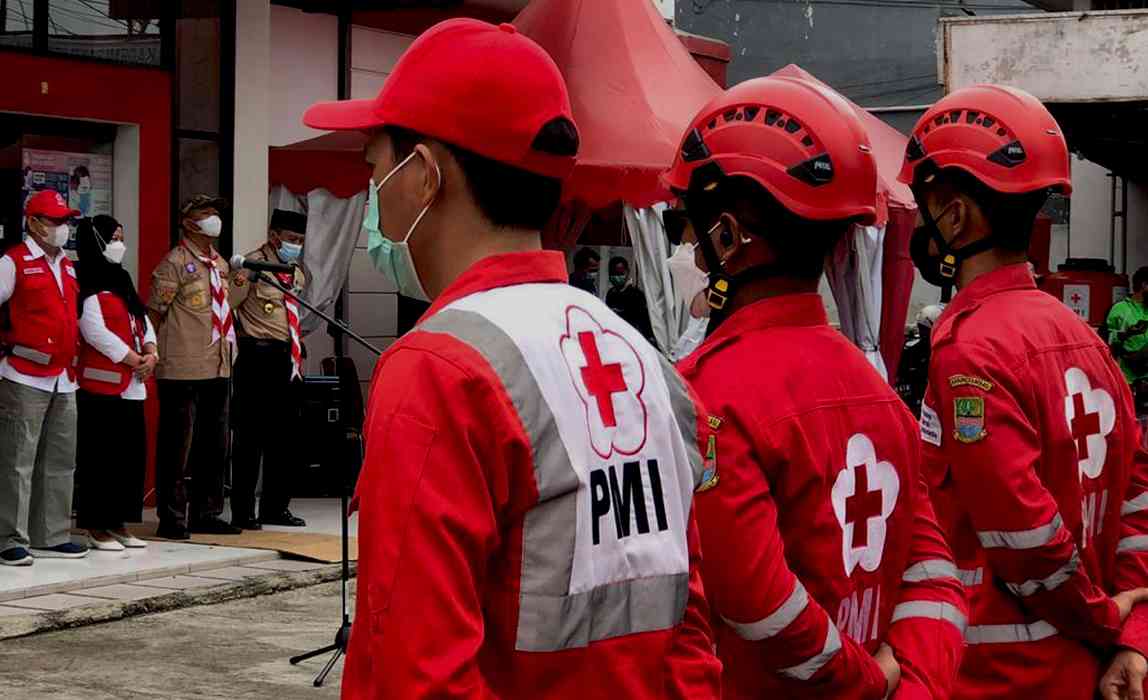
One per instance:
(938,270)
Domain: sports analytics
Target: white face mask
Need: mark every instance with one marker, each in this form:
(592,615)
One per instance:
(211,226)
(114,252)
(57,236)
(687,279)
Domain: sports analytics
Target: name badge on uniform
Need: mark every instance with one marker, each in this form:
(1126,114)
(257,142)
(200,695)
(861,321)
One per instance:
(33,271)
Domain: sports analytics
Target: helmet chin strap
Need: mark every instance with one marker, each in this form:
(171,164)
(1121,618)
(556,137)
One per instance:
(949,259)
(723,286)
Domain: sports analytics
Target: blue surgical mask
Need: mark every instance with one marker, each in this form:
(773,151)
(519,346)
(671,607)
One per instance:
(290,252)
(393,258)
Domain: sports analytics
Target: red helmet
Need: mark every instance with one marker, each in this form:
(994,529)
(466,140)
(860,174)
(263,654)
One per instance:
(1002,136)
(800,141)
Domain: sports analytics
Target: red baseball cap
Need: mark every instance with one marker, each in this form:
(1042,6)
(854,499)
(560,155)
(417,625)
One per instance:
(480,87)
(51,204)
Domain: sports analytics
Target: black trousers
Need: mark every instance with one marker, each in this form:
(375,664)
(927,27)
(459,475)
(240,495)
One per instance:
(267,405)
(111,459)
(192,452)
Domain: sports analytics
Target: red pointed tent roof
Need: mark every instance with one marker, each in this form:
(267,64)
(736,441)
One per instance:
(888,144)
(634,87)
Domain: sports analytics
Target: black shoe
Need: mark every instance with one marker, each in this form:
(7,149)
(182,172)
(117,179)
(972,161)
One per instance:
(172,532)
(214,526)
(246,523)
(284,518)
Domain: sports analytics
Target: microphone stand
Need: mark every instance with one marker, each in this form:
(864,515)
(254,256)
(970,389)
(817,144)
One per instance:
(339,647)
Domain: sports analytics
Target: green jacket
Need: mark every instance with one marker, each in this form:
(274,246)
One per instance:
(1124,315)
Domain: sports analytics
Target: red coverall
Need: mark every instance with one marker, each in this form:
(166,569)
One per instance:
(815,443)
(499,556)
(1032,453)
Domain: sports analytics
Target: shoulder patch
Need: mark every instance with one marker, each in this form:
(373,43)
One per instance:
(714,422)
(709,473)
(969,419)
(966,380)
(930,425)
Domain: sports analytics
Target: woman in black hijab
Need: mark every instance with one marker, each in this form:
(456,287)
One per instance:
(117,356)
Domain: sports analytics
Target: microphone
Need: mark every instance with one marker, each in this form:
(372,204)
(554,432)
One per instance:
(238,261)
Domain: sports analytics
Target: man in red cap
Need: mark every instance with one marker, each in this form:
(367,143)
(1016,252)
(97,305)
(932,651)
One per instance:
(37,388)
(1031,442)
(526,501)
(821,458)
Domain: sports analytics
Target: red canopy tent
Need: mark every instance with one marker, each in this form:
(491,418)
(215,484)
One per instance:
(634,87)
(899,210)
(333,161)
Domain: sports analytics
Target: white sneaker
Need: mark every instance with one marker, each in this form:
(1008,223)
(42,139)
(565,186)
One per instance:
(105,545)
(129,541)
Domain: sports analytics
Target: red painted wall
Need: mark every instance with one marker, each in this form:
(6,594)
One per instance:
(61,87)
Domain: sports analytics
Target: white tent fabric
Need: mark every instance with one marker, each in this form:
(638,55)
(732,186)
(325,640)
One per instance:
(333,226)
(854,274)
(651,249)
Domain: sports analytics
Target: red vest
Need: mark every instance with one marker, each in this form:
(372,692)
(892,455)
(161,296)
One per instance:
(98,374)
(44,335)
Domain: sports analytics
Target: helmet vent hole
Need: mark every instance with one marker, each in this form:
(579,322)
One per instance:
(955,116)
(751,113)
(781,123)
(792,127)
(988,122)
(712,124)
(1001,132)
(729,115)
(771,117)
(971,117)
(807,141)
(938,120)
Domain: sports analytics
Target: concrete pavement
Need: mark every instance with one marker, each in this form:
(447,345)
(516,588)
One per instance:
(236,650)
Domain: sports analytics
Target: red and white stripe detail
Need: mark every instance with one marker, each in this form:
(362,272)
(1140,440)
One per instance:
(292,308)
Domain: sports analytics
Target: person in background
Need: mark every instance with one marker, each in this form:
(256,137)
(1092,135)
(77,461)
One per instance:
(268,379)
(193,320)
(1031,446)
(1128,337)
(37,388)
(117,356)
(585,275)
(821,458)
(492,562)
(627,300)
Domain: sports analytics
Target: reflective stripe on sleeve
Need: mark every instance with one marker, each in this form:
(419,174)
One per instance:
(1138,543)
(972,577)
(1021,539)
(1135,505)
(1003,634)
(809,668)
(929,570)
(931,610)
(1050,582)
(775,622)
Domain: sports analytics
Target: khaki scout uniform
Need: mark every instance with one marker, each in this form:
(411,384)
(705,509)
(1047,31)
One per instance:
(194,391)
(266,400)
(258,305)
(181,296)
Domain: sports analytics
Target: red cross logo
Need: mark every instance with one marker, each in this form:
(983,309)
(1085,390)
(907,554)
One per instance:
(1076,297)
(602,381)
(862,505)
(609,376)
(863,498)
(1083,424)
(1090,415)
